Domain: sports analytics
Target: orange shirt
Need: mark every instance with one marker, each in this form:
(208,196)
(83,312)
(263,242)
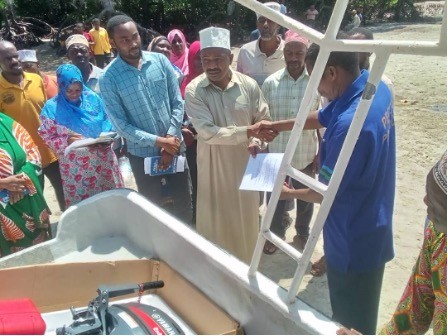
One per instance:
(51,85)
(101,39)
(23,104)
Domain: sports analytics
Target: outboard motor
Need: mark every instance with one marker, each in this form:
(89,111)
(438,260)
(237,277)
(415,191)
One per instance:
(133,318)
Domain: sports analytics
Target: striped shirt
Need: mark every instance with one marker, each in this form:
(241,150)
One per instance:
(143,104)
(284,96)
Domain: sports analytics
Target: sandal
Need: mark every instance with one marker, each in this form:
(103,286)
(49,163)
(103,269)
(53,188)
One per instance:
(269,248)
(319,268)
(299,242)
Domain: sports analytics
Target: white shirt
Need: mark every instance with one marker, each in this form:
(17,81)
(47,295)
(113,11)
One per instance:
(311,14)
(254,63)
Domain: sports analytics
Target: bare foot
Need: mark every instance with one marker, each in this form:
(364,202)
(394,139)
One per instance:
(319,268)
(299,242)
(269,248)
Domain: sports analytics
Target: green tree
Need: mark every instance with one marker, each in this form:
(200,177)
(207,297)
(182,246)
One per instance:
(191,15)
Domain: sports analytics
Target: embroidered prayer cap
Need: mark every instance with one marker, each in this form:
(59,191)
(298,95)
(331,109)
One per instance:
(292,36)
(272,5)
(439,172)
(76,39)
(27,55)
(214,37)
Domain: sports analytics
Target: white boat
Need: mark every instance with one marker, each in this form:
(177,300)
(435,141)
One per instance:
(123,225)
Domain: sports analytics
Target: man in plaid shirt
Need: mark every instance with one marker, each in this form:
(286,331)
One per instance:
(284,91)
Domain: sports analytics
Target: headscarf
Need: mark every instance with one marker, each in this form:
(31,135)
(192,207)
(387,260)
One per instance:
(180,61)
(86,117)
(155,41)
(439,173)
(195,49)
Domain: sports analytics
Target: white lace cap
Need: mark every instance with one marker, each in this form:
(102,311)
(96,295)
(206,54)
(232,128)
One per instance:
(214,37)
(272,5)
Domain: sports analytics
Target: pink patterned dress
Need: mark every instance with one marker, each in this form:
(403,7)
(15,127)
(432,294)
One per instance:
(85,171)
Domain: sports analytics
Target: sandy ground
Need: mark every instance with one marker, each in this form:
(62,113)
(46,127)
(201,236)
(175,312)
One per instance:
(421,126)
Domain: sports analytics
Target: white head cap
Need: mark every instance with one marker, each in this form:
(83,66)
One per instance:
(76,39)
(27,55)
(272,5)
(214,37)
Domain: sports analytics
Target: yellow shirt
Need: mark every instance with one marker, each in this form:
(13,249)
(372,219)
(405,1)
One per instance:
(24,106)
(101,39)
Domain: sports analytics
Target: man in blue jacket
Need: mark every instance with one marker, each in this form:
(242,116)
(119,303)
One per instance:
(358,238)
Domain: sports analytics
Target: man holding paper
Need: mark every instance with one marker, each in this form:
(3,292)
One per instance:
(143,100)
(358,236)
(225,107)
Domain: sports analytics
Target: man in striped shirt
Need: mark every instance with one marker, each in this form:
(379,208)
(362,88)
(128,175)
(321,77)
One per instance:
(284,91)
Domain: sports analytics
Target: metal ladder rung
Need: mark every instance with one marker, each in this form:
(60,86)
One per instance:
(307,180)
(284,246)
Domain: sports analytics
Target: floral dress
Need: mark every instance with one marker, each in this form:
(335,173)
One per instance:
(85,171)
(89,170)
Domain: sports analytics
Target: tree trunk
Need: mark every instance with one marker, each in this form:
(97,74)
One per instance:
(108,4)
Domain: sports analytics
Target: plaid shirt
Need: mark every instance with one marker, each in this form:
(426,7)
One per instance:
(284,96)
(143,104)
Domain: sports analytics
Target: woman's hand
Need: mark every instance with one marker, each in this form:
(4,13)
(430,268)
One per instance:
(74,137)
(14,183)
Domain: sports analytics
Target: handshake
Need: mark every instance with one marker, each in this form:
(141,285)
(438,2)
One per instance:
(264,130)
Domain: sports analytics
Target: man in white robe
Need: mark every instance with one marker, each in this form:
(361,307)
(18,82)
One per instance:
(224,107)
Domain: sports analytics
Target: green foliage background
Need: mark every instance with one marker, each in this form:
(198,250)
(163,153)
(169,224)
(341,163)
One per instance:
(193,15)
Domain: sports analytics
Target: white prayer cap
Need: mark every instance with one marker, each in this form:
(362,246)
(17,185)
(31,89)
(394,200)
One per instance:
(76,39)
(27,55)
(272,5)
(214,37)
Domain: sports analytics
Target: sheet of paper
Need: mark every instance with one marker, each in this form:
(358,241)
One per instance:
(180,164)
(105,137)
(261,172)
(112,135)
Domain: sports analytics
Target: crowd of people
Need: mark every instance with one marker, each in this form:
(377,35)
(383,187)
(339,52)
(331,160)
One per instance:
(173,98)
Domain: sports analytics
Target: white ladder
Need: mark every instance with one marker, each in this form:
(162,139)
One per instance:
(328,43)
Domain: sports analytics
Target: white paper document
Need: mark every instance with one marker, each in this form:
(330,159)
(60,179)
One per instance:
(105,137)
(261,172)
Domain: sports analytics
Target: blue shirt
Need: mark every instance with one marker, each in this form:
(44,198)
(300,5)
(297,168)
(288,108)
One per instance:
(358,230)
(143,104)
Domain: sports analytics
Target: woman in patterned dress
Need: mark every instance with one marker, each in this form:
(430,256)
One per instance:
(423,302)
(24,214)
(76,113)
